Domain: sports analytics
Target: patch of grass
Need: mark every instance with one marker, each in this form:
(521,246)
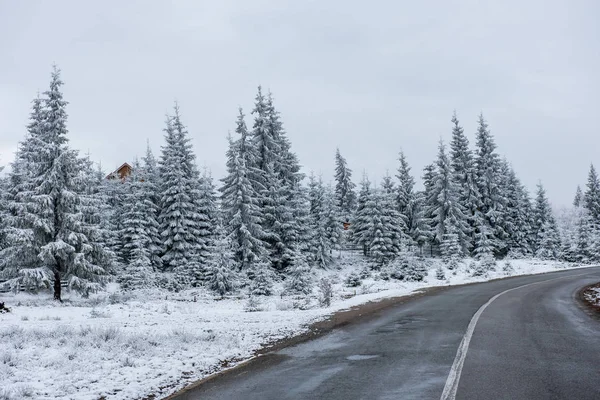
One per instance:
(99,314)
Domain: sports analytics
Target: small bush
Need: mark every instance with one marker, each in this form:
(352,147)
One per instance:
(8,358)
(253,304)
(128,362)
(99,314)
(440,274)
(24,318)
(353,280)
(384,275)
(109,334)
(508,269)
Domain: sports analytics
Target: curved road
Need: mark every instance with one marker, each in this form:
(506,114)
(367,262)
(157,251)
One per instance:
(531,342)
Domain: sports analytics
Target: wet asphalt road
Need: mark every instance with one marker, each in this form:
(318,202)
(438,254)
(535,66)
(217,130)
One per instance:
(532,343)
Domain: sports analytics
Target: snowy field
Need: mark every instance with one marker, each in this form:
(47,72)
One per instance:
(133,345)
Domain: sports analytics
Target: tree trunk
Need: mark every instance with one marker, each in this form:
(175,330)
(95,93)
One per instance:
(57,287)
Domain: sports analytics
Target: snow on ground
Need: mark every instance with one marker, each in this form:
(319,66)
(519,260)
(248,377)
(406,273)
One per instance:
(123,346)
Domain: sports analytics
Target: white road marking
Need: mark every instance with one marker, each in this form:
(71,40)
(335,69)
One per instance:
(451,386)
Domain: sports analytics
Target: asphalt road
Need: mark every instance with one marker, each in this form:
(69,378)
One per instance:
(530,343)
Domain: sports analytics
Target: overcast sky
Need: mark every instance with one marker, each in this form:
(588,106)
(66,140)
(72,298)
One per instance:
(370,77)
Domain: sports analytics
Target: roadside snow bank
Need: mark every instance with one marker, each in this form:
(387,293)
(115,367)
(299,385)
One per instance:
(124,346)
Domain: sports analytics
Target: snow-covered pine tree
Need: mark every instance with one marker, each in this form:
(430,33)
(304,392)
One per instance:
(405,197)
(547,241)
(393,221)
(94,209)
(262,284)
(299,279)
(50,225)
(277,183)
(484,248)
(429,178)
(240,202)
(447,216)
(320,243)
(410,206)
(136,234)
(179,218)
(362,217)
(344,187)
(242,214)
(578,200)
(18,241)
(487,169)
(221,269)
(516,216)
(330,212)
(463,168)
(209,218)
(277,222)
(592,195)
(149,185)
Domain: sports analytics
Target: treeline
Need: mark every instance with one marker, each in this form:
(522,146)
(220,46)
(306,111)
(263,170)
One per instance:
(167,225)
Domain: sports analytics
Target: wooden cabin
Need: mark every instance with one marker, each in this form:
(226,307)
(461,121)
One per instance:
(121,173)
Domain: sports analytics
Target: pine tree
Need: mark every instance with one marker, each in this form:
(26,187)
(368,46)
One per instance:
(410,206)
(463,167)
(344,187)
(319,210)
(49,223)
(592,194)
(487,167)
(136,234)
(429,178)
(208,218)
(262,284)
(222,277)
(387,232)
(578,200)
(484,248)
(149,185)
(240,204)
(299,278)
(363,218)
(547,241)
(517,217)
(179,218)
(447,216)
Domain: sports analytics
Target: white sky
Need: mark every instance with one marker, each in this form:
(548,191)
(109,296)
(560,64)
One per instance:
(370,77)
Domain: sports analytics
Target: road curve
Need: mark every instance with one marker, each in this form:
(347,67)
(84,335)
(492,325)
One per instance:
(531,342)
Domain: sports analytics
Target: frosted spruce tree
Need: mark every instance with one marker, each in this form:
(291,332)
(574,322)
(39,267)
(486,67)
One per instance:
(362,219)
(517,214)
(208,217)
(547,241)
(241,204)
(578,199)
(49,241)
(138,233)
(222,277)
(179,216)
(277,183)
(463,169)
(448,220)
(326,230)
(591,198)
(429,178)
(410,206)
(345,197)
(487,172)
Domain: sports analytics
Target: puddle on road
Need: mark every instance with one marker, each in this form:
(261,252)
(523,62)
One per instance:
(360,357)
